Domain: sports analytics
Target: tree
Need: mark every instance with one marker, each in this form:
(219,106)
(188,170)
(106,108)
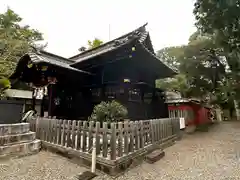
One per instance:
(221,19)
(171,56)
(197,77)
(91,44)
(179,83)
(94,43)
(15,40)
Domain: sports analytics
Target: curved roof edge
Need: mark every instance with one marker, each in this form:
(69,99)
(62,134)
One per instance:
(154,55)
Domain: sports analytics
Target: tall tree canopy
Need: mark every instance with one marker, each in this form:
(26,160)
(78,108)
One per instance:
(221,19)
(15,40)
(197,77)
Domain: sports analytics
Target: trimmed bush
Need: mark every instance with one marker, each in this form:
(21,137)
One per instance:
(111,111)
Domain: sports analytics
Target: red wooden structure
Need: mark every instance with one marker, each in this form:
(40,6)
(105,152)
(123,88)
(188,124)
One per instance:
(191,110)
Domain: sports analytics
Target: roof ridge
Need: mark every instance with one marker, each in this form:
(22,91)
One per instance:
(109,42)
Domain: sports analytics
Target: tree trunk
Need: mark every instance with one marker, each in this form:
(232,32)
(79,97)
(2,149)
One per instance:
(237,109)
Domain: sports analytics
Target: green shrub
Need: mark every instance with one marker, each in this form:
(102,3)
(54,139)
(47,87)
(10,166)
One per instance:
(111,111)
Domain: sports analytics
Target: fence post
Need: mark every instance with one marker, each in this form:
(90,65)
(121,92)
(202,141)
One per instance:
(120,139)
(113,141)
(97,143)
(152,131)
(131,138)
(37,128)
(105,140)
(126,137)
(94,156)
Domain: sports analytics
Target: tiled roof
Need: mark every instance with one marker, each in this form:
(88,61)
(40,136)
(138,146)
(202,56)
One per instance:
(39,57)
(140,34)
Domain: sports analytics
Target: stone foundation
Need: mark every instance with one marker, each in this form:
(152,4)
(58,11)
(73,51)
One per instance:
(17,140)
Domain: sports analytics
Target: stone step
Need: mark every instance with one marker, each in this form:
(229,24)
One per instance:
(17,138)
(154,156)
(19,128)
(20,149)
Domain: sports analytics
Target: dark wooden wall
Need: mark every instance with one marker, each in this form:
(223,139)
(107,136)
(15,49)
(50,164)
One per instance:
(79,104)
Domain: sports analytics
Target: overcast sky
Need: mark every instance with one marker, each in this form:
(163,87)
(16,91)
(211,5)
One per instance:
(68,24)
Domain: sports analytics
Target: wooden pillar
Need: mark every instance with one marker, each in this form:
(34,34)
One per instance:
(50,99)
(42,106)
(33,99)
(103,97)
(126,86)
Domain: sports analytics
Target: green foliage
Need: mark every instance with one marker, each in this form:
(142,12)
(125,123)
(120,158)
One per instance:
(95,43)
(171,55)
(15,40)
(221,20)
(178,83)
(4,84)
(109,112)
(197,77)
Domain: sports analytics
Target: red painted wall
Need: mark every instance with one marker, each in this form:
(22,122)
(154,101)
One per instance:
(200,112)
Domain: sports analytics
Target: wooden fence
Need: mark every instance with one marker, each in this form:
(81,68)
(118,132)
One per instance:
(115,142)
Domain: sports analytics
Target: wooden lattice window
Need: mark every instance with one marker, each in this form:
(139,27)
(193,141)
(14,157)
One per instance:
(110,92)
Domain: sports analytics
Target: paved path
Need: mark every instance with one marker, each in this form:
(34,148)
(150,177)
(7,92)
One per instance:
(202,156)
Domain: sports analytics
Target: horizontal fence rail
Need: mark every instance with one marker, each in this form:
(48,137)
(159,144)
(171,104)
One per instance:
(114,141)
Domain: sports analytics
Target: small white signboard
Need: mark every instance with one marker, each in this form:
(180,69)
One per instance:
(182,123)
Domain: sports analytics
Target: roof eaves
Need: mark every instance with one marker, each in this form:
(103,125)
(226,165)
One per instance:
(152,54)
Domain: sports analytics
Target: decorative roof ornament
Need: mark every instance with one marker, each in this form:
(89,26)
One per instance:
(82,49)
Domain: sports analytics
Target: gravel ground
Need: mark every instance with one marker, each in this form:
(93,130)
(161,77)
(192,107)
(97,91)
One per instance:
(42,166)
(213,155)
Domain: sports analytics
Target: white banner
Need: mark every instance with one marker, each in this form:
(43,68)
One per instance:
(182,123)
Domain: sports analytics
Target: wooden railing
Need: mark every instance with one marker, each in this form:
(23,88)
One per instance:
(114,141)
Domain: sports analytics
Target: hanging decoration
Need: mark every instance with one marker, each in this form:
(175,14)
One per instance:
(57,101)
(126,80)
(44,68)
(52,80)
(38,93)
(30,65)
